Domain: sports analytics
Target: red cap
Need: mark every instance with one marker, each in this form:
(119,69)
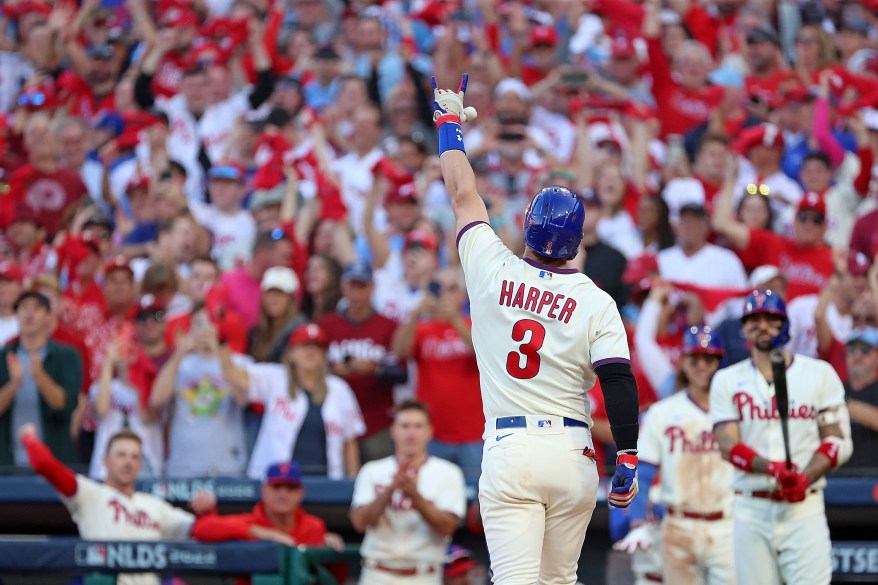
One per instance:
(797,94)
(858,263)
(812,202)
(622,48)
(403,193)
(543,35)
(764,134)
(149,304)
(137,182)
(24,212)
(309,333)
(128,140)
(118,262)
(10,271)
(640,268)
(421,238)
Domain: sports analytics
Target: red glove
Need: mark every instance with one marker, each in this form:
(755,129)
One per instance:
(783,476)
(796,490)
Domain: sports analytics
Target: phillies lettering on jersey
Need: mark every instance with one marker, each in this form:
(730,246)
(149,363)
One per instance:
(749,409)
(536,301)
(703,442)
(740,394)
(139,518)
(358,349)
(677,436)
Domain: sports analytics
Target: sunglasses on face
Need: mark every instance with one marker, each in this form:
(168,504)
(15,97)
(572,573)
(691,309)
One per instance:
(34,100)
(151,316)
(815,218)
(859,347)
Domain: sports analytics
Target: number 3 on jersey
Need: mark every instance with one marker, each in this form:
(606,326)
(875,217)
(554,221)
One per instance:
(529,350)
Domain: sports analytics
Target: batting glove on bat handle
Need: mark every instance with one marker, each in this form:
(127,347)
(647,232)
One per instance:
(623,486)
(796,490)
(783,476)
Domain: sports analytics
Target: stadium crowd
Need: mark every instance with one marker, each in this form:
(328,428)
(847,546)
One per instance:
(224,225)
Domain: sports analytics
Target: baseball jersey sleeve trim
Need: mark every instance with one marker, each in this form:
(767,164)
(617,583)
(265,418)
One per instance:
(466,228)
(548,268)
(606,361)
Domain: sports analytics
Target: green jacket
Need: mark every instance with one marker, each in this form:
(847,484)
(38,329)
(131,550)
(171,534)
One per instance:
(64,366)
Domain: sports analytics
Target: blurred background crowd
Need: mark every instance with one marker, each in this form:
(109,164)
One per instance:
(189,189)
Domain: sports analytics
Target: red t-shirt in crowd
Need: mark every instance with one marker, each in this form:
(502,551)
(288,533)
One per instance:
(836,354)
(448,382)
(806,269)
(681,109)
(81,100)
(166,81)
(368,339)
(50,195)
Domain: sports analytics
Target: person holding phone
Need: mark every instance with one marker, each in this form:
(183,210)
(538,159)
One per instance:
(437,338)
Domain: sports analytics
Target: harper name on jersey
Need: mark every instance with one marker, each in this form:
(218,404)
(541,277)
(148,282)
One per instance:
(531,298)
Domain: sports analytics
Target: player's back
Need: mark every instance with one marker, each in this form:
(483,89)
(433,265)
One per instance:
(537,330)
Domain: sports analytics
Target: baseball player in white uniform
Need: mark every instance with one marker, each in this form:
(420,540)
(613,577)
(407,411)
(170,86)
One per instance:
(780,530)
(408,504)
(114,510)
(542,332)
(677,444)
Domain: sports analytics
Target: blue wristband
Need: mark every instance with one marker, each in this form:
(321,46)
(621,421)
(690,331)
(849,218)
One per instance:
(450,138)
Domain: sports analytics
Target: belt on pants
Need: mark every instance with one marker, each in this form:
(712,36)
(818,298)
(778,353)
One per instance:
(767,495)
(520,422)
(709,517)
(399,571)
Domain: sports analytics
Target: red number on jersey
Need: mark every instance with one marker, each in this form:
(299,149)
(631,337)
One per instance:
(529,350)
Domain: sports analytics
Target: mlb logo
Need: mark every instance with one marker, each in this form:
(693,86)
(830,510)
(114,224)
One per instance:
(91,555)
(545,274)
(547,424)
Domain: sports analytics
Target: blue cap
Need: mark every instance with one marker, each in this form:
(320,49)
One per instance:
(360,271)
(229,172)
(867,335)
(700,340)
(284,473)
(112,122)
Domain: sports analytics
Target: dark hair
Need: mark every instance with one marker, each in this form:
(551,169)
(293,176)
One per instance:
(123,435)
(818,156)
(159,276)
(267,240)
(767,206)
(204,258)
(177,167)
(666,237)
(709,137)
(329,299)
(407,405)
(419,145)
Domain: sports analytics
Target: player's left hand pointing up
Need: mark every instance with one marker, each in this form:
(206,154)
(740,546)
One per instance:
(448,104)
(624,485)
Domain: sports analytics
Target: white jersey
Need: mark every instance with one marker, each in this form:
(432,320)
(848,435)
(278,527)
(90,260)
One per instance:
(104,513)
(677,436)
(233,234)
(401,534)
(283,418)
(741,394)
(538,331)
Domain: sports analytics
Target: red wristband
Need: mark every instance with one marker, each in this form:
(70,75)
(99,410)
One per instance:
(742,456)
(627,458)
(447,118)
(829,449)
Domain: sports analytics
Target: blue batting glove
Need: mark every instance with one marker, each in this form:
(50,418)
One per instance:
(624,484)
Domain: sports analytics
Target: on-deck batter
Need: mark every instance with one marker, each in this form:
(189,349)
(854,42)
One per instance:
(780,530)
(541,332)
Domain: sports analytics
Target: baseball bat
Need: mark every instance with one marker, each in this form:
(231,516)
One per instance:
(782,397)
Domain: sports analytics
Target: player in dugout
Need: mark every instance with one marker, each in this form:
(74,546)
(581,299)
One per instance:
(114,510)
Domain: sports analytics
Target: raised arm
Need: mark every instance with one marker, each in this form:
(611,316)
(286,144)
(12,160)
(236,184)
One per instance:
(460,180)
(44,463)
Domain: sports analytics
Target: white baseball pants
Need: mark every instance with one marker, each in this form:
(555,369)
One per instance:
(537,493)
(697,552)
(777,542)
